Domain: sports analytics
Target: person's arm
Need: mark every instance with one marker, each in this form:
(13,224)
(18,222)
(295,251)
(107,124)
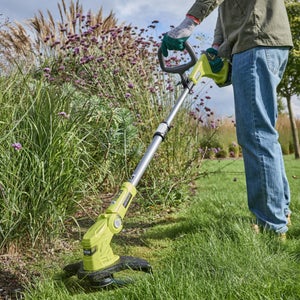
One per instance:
(218,34)
(175,39)
(202,8)
(220,42)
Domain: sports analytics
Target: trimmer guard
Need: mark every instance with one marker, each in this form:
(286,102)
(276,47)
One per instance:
(105,277)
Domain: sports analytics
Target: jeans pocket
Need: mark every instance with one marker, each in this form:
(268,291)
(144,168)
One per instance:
(272,61)
(276,59)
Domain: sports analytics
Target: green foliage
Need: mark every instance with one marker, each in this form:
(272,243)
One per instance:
(112,139)
(234,149)
(222,153)
(55,146)
(41,161)
(210,143)
(290,84)
(285,149)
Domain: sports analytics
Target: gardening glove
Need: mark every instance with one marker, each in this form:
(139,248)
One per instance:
(175,39)
(216,63)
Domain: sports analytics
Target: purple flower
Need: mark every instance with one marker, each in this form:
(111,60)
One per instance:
(83,60)
(213,125)
(94,39)
(76,50)
(56,43)
(17,146)
(127,95)
(170,88)
(47,70)
(100,59)
(130,85)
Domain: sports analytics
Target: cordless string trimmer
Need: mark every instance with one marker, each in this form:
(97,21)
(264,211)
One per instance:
(99,263)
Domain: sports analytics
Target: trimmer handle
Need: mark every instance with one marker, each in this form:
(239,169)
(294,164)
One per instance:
(180,69)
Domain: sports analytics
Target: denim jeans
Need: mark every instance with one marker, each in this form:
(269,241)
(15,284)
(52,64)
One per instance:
(255,76)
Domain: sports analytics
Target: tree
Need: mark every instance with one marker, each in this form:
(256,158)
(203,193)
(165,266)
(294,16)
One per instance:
(290,84)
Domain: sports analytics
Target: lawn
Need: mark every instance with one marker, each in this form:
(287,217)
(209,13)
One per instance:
(203,249)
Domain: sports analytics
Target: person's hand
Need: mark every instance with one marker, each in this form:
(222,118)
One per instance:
(215,61)
(175,39)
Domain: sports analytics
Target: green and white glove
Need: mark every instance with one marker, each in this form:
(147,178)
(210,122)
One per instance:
(175,39)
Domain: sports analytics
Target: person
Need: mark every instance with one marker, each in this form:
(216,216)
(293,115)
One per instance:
(256,36)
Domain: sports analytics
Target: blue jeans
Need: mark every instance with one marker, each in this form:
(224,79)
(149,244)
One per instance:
(255,76)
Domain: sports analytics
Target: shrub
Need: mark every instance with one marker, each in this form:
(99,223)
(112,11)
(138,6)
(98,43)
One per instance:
(209,143)
(291,147)
(285,149)
(234,150)
(222,153)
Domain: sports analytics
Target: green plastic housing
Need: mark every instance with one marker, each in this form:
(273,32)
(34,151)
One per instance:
(97,252)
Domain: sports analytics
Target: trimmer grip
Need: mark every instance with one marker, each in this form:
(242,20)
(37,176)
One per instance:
(180,69)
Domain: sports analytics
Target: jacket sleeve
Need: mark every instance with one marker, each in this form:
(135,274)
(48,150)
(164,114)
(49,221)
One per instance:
(218,33)
(202,8)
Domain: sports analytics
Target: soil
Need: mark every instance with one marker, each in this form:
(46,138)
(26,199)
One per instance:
(14,275)
(18,269)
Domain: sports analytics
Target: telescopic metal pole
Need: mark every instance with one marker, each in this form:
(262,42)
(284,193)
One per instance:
(158,137)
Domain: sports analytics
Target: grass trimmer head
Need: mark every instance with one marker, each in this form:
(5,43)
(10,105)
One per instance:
(99,263)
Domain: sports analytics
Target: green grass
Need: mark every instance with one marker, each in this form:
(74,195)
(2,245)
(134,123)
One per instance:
(204,250)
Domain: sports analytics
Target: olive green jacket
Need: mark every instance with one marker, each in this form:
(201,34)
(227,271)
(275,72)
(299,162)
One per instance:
(244,24)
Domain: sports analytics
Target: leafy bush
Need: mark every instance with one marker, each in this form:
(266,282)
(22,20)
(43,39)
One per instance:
(210,144)
(222,153)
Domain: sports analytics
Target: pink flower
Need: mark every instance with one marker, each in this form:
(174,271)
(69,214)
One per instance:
(64,115)
(17,146)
